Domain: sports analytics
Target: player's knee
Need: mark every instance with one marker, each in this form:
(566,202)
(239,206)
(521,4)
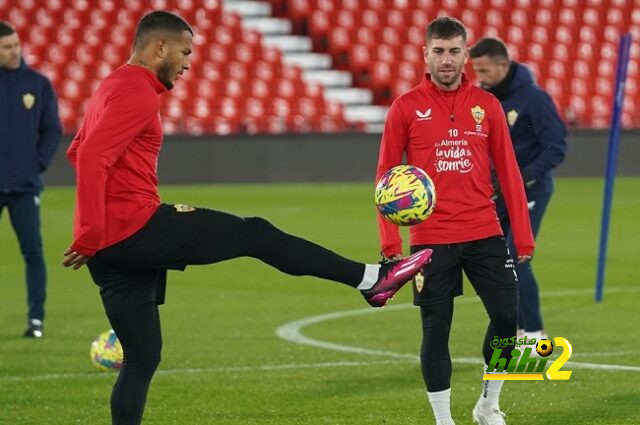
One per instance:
(149,362)
(257,228)
(145,359)
(154,362)
(435,325)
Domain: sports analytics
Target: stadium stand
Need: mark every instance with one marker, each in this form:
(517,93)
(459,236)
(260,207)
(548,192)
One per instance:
(325,65)
(570,45)
(236,84)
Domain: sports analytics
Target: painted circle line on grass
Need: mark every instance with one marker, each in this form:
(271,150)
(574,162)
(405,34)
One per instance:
(292,332)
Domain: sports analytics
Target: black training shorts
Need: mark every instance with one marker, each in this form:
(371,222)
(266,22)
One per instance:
(486,262)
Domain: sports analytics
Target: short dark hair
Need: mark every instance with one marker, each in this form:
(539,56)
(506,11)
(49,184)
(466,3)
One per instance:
(446,28)
(491,47)
(6,28)
(159,20)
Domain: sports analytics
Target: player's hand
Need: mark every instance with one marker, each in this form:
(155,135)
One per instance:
(523,258)
(72,258)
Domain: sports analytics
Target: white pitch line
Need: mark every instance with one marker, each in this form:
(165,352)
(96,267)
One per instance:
(292,332)
(292,366)
(606,354)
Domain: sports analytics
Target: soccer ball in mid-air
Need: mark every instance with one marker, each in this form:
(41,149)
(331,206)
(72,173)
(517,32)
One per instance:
(405,195)
(106,352)
(544,347)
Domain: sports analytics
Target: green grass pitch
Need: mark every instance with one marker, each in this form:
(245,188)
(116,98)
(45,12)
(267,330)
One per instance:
(224,364)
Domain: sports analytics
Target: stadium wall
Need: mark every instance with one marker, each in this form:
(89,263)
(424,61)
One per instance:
(325,158)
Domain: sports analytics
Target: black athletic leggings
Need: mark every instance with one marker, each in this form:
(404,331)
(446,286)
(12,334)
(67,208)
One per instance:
(138,330)
(174,239)
(502,308)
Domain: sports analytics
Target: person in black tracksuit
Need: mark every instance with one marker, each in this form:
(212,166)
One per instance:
(30,133)
(538,135)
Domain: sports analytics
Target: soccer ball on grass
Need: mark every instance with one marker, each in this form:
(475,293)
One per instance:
(106,352)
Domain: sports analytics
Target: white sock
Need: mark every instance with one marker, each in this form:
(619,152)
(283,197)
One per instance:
(370,277)
(441,405)
(490,396)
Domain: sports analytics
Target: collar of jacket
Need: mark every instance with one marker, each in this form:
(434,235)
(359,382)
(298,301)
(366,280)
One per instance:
(153,78)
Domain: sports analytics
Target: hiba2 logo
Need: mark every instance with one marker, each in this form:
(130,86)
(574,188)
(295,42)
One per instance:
(524,367)
(424,116)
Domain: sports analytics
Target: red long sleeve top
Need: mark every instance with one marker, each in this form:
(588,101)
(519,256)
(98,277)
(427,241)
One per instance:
(455,136)
(115,156)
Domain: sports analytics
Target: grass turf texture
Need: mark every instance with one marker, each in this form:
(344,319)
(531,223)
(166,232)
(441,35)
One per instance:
(223,363)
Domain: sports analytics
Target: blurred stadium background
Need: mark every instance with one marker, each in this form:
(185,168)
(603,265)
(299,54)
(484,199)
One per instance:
(301,66)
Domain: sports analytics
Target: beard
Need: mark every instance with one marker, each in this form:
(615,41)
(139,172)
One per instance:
(165,74)
(446,80)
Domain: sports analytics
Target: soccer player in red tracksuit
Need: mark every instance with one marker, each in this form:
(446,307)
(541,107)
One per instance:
(455,132)
(129,240)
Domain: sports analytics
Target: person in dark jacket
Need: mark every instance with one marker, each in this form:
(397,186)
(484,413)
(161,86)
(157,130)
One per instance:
(29,136)
(538,136)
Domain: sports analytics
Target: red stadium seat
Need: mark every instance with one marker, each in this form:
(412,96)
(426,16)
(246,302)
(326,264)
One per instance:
(381,75)
(260,89)
(319,23)
(255,108)
(264,70)
(400,87)
(543,17)
(234,89)
(345,19)
(366,36)
(411,72)
(591,17)
(281,107)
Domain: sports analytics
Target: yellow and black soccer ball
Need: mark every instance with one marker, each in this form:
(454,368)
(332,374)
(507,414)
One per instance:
(405,195)
(106,352)
(544,347)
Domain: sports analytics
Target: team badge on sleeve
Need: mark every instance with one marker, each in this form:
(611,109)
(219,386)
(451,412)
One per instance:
(29,100)
(478,114)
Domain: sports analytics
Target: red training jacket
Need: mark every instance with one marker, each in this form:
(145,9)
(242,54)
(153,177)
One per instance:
(115,155)
(454,137)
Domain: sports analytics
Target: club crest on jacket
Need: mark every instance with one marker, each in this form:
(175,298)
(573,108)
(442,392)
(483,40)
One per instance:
(478,114)
(29,100)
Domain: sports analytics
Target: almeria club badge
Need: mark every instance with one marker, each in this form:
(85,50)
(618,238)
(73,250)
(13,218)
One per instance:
(478,114)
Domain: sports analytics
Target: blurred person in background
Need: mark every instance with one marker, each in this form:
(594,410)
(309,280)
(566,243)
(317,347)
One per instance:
(30,133)
(538,136)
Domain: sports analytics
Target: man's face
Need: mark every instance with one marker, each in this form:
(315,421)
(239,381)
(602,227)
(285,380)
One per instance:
(489,71)
(10,51)
(445,59)
(176,59)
